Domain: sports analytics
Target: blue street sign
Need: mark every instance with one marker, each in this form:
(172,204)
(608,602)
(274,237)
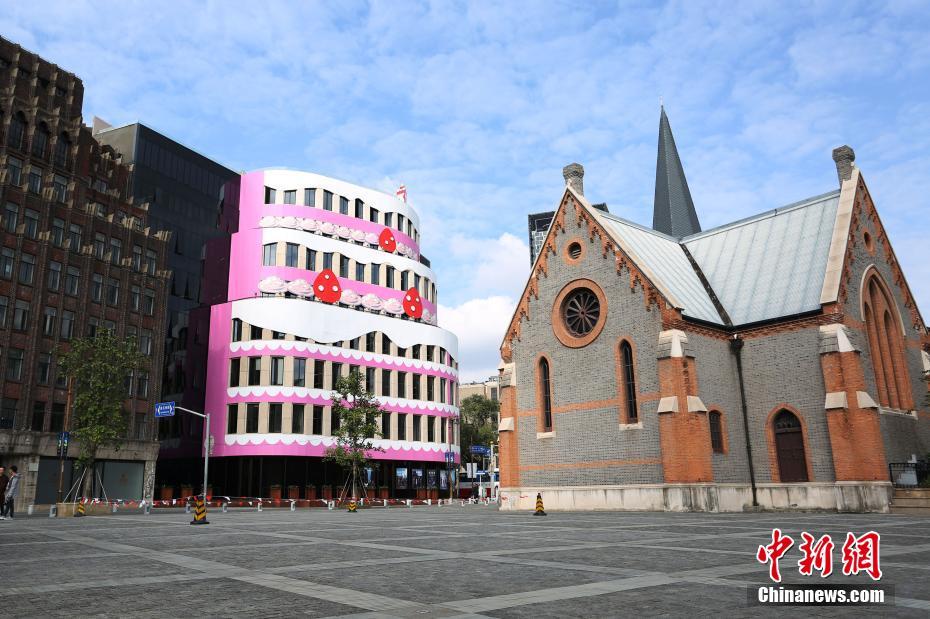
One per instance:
(480,449)
(450,457)
(164,409)
(63,439)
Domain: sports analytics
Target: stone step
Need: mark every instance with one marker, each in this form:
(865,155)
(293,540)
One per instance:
(912,493)
(900,501)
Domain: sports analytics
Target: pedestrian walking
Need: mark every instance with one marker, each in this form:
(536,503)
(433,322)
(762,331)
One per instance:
(12,489)
(3,482)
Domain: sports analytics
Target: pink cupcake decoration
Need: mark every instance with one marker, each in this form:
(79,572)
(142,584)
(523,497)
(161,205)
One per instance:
(272,285)
(393,306)
(300,287)
(372,302)
(350,298)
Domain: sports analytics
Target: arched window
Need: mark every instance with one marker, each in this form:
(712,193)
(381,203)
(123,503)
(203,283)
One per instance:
(716,431)
(17,133)
(545,392)
(629,382)
(886,345)
(40,141)
(62,151)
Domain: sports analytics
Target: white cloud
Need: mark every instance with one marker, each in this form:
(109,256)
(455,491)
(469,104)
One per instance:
(480,325)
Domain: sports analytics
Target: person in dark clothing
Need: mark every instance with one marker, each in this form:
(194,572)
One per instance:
(12,490)
(3,482)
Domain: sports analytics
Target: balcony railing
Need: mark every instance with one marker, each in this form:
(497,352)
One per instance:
(910,474)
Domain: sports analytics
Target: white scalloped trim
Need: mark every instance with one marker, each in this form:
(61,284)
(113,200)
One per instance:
(343,233)
(326,323)
(359,253)
(309,392)
(345,353)
(328,441)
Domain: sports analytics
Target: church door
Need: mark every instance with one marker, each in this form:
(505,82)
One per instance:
(789,447)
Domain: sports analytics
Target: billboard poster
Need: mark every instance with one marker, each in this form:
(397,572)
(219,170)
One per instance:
(417,478)
(431,478)
(400,478)
(444,479)
(368,476)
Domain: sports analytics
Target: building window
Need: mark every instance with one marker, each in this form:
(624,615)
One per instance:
(232,419)
(236,330)
(60,188)
(343,205)
(300,372)
(370,341)
(431,429)
(269,195)
(116,251)
(7,257)
(370,379)
(430,388)
(337,372)
(14,364)
(235,365)
(385,344)
(318,369)
(274,417)
(251,417)
(334,421)
(8,413)
(317,420)
(135,298)
(39,141)
(375,274)
(389,276)
(31,219)
(137,258)
(290,254)
(17,131)
(146,342)
(629,382)
(269,254)
(343,266)
(545,394)
(27,269)
(297,419)
(14,168)
(35,181)
(142,385)
(57,235)
(112,291)
(386,382)
(442,430)
(359,272)
(290,196)
(311,260)
(716,431)
(67,325)
(401,384)
(373,215)
(417,426)
(44,372)
(49,320)
(4,308)
(416,386)
(149,305)
(887,349)
(389,220)
(74,237)
(20,315)
(327,200)
(310,197)
(385,425)
(62,149)
(401,426)
(277,370)
(96,287)
(100,245)
(255,370)
(10,217)
(150,260)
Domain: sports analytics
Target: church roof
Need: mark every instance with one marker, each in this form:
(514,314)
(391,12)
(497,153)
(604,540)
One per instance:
(768,266)
(673,209)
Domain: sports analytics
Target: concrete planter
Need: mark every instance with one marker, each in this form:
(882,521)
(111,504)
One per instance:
(67,510)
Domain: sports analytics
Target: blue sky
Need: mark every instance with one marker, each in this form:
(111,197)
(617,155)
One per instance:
(477,106)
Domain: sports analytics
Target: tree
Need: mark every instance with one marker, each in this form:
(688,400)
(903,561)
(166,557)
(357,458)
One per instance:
(97,368)
(479,424)
(357,411)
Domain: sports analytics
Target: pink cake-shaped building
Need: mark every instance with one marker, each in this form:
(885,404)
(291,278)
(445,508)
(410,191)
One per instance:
(316,282)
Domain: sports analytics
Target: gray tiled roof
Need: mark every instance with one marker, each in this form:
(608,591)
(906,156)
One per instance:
(770,265)
(767,266)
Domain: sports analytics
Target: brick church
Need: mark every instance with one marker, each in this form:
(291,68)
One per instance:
(777,361)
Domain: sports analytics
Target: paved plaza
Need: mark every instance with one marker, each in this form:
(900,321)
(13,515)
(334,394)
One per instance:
(448,561)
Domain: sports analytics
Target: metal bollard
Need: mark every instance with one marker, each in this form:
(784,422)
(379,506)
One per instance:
(259,506)
(293,506)
(114,508)
(385,502)
(409,503)
(53,511)
(225,506)
(331,505)
(429,502)
(187,507)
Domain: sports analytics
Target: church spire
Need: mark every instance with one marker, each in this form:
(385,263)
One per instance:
(673,212)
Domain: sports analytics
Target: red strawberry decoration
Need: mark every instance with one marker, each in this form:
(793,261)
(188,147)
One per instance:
(386,240)
(412,304)
(326,287)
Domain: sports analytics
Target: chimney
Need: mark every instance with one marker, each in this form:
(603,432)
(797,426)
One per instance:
(844,156)
(574,177)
